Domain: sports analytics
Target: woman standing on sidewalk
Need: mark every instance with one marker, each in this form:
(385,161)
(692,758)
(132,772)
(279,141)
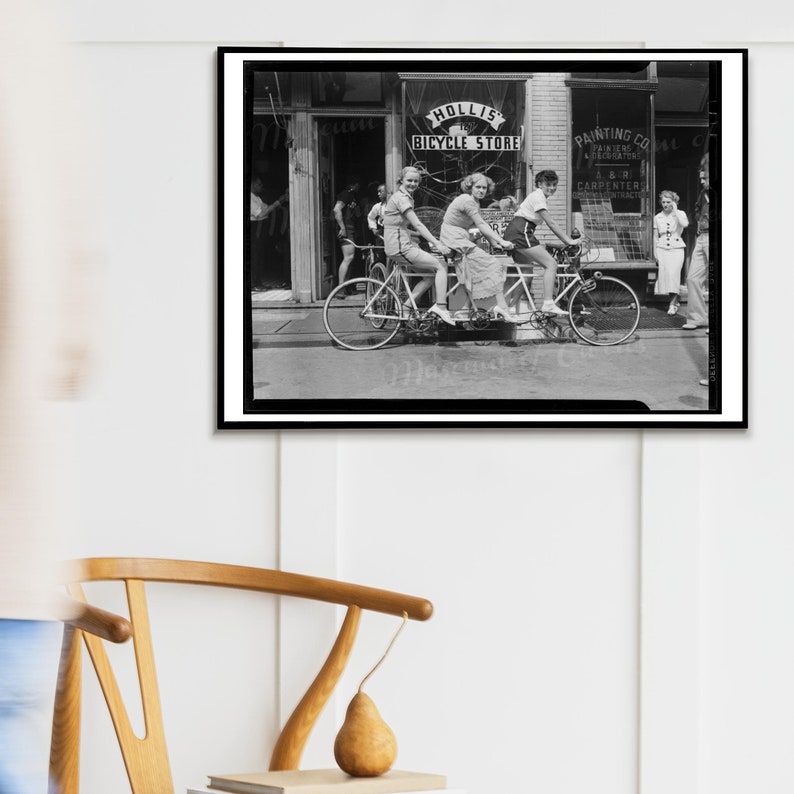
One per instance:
(398,220)
(480,273)
(669,224)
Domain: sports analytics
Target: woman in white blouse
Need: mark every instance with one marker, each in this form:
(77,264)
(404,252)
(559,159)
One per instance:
(669,224)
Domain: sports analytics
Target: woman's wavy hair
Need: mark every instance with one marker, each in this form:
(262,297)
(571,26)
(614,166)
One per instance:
(549,177)
(671,194)
(467,183)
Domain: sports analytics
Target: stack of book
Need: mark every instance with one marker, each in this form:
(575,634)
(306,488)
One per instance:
(325,781)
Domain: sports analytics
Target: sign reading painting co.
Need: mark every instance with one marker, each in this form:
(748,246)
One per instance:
(458,138)
(610,160)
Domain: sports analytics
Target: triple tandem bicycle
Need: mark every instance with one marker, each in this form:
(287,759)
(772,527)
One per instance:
(601,310)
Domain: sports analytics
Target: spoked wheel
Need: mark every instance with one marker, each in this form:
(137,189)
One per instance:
(367,320)
(376,273)
(604,311)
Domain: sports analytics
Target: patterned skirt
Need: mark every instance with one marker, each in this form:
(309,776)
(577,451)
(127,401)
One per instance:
(482,274)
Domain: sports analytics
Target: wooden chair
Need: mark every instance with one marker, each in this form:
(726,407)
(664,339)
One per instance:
(146,758)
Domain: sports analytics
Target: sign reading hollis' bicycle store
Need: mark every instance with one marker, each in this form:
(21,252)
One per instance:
(458,138)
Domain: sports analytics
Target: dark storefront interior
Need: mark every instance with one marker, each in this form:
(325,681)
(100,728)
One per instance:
(351,148)
(631,135)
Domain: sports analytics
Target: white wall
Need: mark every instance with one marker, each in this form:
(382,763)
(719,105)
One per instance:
(528,675)
(154,477)
(744,494)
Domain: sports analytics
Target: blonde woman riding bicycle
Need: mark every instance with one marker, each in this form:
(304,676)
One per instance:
(399,219)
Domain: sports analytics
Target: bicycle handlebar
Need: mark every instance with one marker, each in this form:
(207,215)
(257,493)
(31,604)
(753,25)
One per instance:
(360,247)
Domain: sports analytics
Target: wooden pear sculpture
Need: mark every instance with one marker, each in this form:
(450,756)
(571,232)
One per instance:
(365,745)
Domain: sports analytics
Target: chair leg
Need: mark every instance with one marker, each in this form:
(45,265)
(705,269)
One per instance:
(65,742)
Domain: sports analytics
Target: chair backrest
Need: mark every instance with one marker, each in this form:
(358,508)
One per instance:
(146,759)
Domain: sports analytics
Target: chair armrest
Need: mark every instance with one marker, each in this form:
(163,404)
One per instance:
(94,620)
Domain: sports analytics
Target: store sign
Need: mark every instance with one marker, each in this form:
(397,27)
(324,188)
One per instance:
(482,143)
(467,118)
(604,138)
(454,110)
(498,220)
(610,160)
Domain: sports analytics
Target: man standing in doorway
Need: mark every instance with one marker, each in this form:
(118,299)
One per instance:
(344,213)
(696,311)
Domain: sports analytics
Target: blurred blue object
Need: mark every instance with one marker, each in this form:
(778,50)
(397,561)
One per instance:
(28,672)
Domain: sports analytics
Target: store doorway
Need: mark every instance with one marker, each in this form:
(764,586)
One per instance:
(270,262)
(678,153)
(350,148)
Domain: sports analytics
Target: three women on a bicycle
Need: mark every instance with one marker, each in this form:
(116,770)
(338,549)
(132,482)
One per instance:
(480,272)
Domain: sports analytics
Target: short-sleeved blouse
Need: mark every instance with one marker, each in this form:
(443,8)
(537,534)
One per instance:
(463,212)
(349,203)
(669,228)
(396,229)
(530,207)
(461,215)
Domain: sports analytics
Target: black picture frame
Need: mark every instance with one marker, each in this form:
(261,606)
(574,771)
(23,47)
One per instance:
(278,369)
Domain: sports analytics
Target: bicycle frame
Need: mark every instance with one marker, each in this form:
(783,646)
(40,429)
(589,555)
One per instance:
(601,310)
(397,279)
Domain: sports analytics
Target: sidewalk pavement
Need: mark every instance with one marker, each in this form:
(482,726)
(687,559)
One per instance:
(288,323)
(660,366)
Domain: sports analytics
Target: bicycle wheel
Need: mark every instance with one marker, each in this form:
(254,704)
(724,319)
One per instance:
(365,321)
(378,273)
(604,311)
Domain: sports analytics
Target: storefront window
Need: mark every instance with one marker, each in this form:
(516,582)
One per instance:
(611,162)
(620,71)
(268,249)
(347,88)
(458,127)
(272,85)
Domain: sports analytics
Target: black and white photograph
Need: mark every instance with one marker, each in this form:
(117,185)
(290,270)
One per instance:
(472,238)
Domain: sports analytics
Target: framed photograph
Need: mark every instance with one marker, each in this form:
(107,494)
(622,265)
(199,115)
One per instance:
(482,238)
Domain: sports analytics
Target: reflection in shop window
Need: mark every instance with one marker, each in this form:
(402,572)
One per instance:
(611,159)
(272,86)
(639,72)
(347,88)
(459,127)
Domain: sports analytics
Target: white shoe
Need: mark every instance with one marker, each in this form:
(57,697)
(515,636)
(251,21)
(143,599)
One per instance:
(442,313)
(552,308)
(500,314)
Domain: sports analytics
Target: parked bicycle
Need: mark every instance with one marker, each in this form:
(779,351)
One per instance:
(601,310)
